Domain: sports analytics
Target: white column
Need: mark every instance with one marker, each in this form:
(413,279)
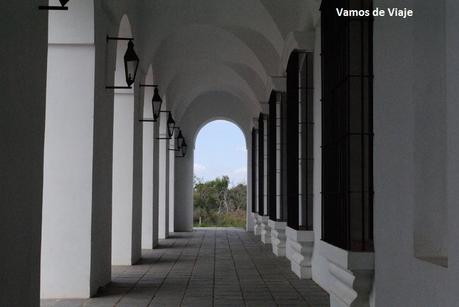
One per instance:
(250,220)
(156,169)
(171,184)
(183,189)
(256,216)
(123,178)
(68,173)
(147,184)
(75,259)
(265,228)
(278,236)
(163,179)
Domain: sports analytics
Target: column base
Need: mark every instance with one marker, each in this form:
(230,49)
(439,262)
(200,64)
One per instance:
(265,230)
(351,276)
(299,248)
(256,224)
(278,237)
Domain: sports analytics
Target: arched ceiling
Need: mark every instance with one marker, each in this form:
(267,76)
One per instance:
(229,107)
(219,47)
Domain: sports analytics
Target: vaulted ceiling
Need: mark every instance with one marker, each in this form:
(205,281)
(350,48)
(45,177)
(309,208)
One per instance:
(228,47)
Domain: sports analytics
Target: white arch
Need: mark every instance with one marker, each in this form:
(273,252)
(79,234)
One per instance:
(216,118)
(204,108)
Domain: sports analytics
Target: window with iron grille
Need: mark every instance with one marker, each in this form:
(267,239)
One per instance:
(347,126)
(261,165)
(283,158)
(254,170)
(299,142)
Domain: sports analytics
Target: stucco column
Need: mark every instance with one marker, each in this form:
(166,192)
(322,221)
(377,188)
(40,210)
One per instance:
(184,192)
(148,185)
(124,246)
(163,180)
(75,258)
(171,184)
(67,186)
(265,227)
(156,185)
(249,215)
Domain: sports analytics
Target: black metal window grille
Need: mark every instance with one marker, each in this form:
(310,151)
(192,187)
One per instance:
(261,165)
(272,157)
(299,117)
(254,170)
(284,158)
(347,126)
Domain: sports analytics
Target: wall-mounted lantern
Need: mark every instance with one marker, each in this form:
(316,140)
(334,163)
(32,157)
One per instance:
(170,125)
(180,144)
(180,140)
(131,63)
(156,103)
(55,8)
(184,149)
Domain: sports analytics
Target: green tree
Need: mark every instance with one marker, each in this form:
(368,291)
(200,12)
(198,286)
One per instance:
(218,204)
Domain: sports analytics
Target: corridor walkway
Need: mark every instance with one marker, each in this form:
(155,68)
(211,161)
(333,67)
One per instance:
(209,267)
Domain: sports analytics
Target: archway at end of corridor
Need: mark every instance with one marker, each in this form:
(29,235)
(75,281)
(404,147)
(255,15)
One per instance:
(220,176)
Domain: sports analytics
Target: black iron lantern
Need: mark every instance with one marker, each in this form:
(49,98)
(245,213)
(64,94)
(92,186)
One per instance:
(184,148)
(156,103)
(170,125)
(180,140)
(131,64)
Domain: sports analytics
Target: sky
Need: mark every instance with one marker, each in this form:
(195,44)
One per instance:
(221,150)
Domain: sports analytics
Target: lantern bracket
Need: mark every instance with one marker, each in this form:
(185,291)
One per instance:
(112,38)
(167,138)
(148,85)
(148,120)
(53,8)
(118,87)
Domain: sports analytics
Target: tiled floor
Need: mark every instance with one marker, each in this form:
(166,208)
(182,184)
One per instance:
(209,267)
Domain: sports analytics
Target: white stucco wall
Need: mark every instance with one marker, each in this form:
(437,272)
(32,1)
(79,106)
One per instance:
(415,154)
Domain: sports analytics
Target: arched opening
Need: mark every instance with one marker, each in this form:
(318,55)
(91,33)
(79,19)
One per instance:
(220,176)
